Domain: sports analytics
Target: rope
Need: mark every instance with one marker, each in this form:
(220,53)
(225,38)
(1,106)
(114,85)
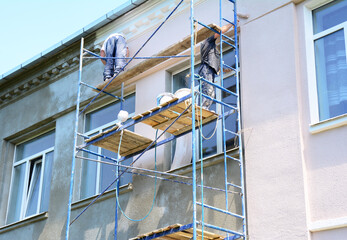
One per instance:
(200,118)
(155,184)
(214,131)
(102,193)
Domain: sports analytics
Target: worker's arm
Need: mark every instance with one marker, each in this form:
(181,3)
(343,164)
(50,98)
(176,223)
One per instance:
(224,29)
(103,54)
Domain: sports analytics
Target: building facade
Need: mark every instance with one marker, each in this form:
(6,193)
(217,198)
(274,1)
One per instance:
(293,75)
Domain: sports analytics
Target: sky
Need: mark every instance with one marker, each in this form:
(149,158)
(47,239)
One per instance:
(28,27)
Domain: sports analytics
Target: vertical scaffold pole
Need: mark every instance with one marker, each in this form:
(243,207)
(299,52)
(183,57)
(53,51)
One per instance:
(193,113)
(74,141)
(117,192)
(222,108)
(239,125)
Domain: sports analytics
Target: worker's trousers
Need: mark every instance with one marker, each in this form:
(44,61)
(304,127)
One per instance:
(116,48)
(209,74)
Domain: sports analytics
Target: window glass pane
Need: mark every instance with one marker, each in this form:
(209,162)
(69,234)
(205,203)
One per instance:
(230,121)
(108,172)
(129,103)
(34,146)
(16,193)
(209,136)
(180,80)
(331,71)
(89,174)
(108,113)
(329,15)
(126,177)
(209,144)
(34,188)
(47,177)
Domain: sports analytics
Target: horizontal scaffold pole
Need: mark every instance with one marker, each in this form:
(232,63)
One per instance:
(96,56)
(158,172)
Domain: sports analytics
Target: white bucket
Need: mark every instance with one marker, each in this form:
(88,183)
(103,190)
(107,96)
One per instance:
(164,97)
(180,93)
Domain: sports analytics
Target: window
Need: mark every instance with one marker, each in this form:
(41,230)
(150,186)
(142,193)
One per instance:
(330,41)
(31,178)
(97,176)
(212,140)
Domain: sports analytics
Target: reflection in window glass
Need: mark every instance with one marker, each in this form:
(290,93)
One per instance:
(16,193)
(34,187)
(210,133)
(331,71)
(329,15)
(47,177)
(97,176)
(108,113)
(36,145)
(31,180)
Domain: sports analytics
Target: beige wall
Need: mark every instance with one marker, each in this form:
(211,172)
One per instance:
(274,176)
(296,184)
(295,180)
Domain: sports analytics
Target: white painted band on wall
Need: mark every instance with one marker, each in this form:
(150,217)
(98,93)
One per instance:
(328,224)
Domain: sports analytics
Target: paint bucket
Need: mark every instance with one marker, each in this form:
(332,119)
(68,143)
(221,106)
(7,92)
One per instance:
(164,97)
(180,93)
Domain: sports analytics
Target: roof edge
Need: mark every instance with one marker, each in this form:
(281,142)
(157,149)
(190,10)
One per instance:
(55,48)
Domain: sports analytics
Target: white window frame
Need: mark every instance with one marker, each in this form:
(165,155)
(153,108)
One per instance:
(25,197)
(97,131)
(316,124)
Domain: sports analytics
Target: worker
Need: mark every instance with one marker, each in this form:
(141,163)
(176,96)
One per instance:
(114,46)
(210,65)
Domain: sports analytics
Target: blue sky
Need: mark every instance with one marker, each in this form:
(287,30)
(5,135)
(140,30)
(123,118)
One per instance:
(29,27)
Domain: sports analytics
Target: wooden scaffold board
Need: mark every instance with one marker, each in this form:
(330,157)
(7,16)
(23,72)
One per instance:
(179,232)
(145,65)
(163,119)
(131,142)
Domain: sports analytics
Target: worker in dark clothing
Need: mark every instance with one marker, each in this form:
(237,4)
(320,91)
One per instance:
(210,65)
(114,47)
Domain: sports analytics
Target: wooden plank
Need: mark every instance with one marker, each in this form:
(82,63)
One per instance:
(207,235)
(185,129)
(205,113)
(169,114)
(131,142)
(158,118)
(182,121)
(134,150)
(145,65)
(178,109)
(150,122)
(182,235)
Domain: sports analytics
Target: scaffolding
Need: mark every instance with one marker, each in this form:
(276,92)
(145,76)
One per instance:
(178,117)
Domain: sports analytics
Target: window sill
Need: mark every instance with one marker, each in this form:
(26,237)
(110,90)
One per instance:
(329,124)
(109,194)
(208,161)
(328,224)
(26,221)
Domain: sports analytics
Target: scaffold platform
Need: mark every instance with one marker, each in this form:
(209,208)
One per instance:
(147,64)
(131,142)
(179,232)
(162,119)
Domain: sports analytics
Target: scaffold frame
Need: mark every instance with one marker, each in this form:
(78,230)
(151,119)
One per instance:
(196,114)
